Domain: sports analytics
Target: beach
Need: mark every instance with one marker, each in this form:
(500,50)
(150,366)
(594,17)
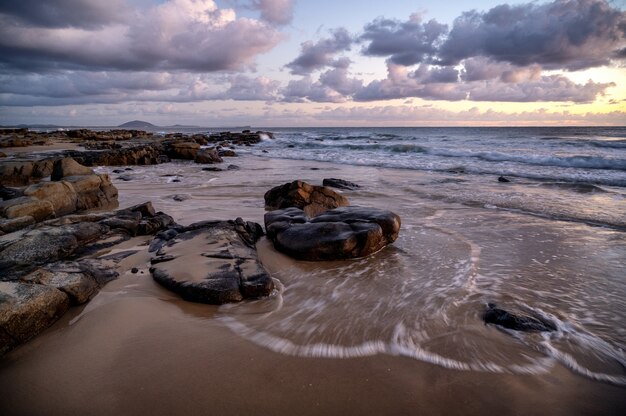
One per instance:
(397,332)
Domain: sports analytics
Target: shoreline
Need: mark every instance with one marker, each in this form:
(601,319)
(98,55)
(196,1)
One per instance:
(138,347)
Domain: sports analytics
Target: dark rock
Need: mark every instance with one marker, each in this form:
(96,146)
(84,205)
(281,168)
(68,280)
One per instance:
(340,233)
(48,244)
(227,153)
(10,193)
(26,310)
(212,169)
(312,199)
(128,168)
(149,226)
(181,197)
(339,183)
(233,167)
(212,262)
(175,180)
(134,270)
(502,318)
(503,179)
(118,171)
(67,277)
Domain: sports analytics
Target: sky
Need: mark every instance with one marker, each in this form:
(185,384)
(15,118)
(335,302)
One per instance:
(304,63)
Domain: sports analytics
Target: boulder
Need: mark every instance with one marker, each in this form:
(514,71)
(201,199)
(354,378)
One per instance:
(339,183)
(211,262)
(341,233)
(61,195)
(312,199)
(15,224)
(68,167)
(502,318)
(183,150)
(93,191)
(26,310)
(208,156)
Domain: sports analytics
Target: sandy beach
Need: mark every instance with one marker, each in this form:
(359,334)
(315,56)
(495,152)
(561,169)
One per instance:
(398,332)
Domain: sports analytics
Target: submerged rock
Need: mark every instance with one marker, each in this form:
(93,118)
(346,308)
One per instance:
(212,262)
(313,200)
(503,179)
(339,183)
(340,233)
(500,317)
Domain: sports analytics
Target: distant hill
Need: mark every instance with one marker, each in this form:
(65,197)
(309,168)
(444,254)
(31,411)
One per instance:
(137,124)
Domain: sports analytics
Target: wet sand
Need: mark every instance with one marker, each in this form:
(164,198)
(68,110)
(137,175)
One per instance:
(137,348)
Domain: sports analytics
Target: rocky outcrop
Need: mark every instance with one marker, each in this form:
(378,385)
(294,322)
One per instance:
(68,167)
(339,183)
(21,173)
(502,318)
(313,200)
(211,262)
(26,310)
(340,233)
(146,154)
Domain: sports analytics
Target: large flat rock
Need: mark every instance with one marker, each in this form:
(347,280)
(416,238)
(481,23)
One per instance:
(26,310)
(341,233)
(212,262)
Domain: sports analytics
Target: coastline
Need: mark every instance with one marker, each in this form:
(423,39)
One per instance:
(108,356)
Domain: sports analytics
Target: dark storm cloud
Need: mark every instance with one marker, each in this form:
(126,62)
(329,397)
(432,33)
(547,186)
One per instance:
(317,55)
(564,34)
(66,13)
(279,12)
(176,35)
(405,43)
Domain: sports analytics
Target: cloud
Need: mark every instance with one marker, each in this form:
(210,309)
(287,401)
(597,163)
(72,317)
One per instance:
(405,43)
(563,34)
(320,54)
(193,35)
(250,89)
(279,12)
(66,13)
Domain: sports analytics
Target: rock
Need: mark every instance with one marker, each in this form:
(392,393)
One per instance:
(503,179)
(312,199)
(227,153)
(61,195)
(10,193)
(26,310)
(93,192)
(14,224)
(502,318)
(125,178)
(68,167)
(183,150)
(134,270)
(48,244)
(27,206)
(341,233)
(212,262)
(76,284)
(208,156)
(158,222)
(21,173)
(2,154)
(233,167)
(340,183)
(181,197)
(212,169)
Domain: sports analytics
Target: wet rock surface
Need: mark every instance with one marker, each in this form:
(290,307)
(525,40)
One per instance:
(339,183)
(341,233)
(502,318)
(312,199)
(211,262)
